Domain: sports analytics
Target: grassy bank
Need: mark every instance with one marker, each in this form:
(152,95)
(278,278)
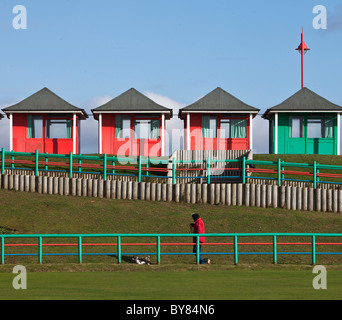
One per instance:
(28,213)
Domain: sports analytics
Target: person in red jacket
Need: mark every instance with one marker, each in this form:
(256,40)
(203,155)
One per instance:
(198,227)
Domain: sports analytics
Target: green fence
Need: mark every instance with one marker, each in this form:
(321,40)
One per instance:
(158,244)
(145,167)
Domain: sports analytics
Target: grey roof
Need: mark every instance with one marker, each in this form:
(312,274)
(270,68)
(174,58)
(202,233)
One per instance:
(304,100)
(221,101)
(44,101)
(132,101)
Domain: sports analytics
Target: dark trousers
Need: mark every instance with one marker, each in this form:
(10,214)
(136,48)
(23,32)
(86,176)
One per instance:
(201,261)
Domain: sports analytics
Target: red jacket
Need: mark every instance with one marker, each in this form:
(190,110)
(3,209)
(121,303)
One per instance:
(199,228)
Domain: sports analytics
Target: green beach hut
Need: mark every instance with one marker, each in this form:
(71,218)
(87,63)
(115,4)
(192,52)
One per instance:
(305,123)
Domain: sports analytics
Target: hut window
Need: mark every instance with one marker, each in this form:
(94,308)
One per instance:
(297,127)
(315,128)
(122,127)
(147,129)
(34,127)
(320,128)
(209,126)
(328,128)
(59,129)
(233,128)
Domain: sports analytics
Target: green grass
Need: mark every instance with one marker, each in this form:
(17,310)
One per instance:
(175,285)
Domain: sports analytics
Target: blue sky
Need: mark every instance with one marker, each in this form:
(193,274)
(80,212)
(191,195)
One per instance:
(173,51)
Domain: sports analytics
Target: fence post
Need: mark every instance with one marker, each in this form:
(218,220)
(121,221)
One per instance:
(147,166)
(113,164)
(275,249)
(313,250)
(208,170)
(244,170)
(173,170)
(3,161)
(2,250)
(235,250)
(36,163)
(70,166)
(105,166)
(79,249)
(119,249)
(80,167)
(40,250)
(158,249)
(315,174)
(139,168)
(279,172)
(46,163)
(197,249)
(12,164)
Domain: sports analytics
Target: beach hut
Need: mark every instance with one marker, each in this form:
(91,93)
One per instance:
(45,122)
(132,125)
(218,121)
(305,123)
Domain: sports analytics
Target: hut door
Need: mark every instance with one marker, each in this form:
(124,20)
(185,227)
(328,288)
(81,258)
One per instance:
(296,141)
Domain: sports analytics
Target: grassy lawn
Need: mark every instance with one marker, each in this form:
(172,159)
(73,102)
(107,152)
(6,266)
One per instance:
(174,285)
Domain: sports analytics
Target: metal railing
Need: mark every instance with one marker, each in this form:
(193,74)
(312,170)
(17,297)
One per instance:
(145,167)
(274,243)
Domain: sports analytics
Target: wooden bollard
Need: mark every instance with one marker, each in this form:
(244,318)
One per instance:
(212,194)
(119,191)
(335,200)
(305,198)
(339,201)
(258,195)
(204,193)
(269,196)
(263,194)
(177,192)
(275,196)
(198,193)
(22,183)
(252,195)
(169,193)
(100,185)
(158,192)
(318,199)
(324,200)
(147,191)
(239,194)
(228,194)
(299,198)
(32,184)
(329,200)
(223,194)
(164,192)
(234,195)
(95,188)
(311,199)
